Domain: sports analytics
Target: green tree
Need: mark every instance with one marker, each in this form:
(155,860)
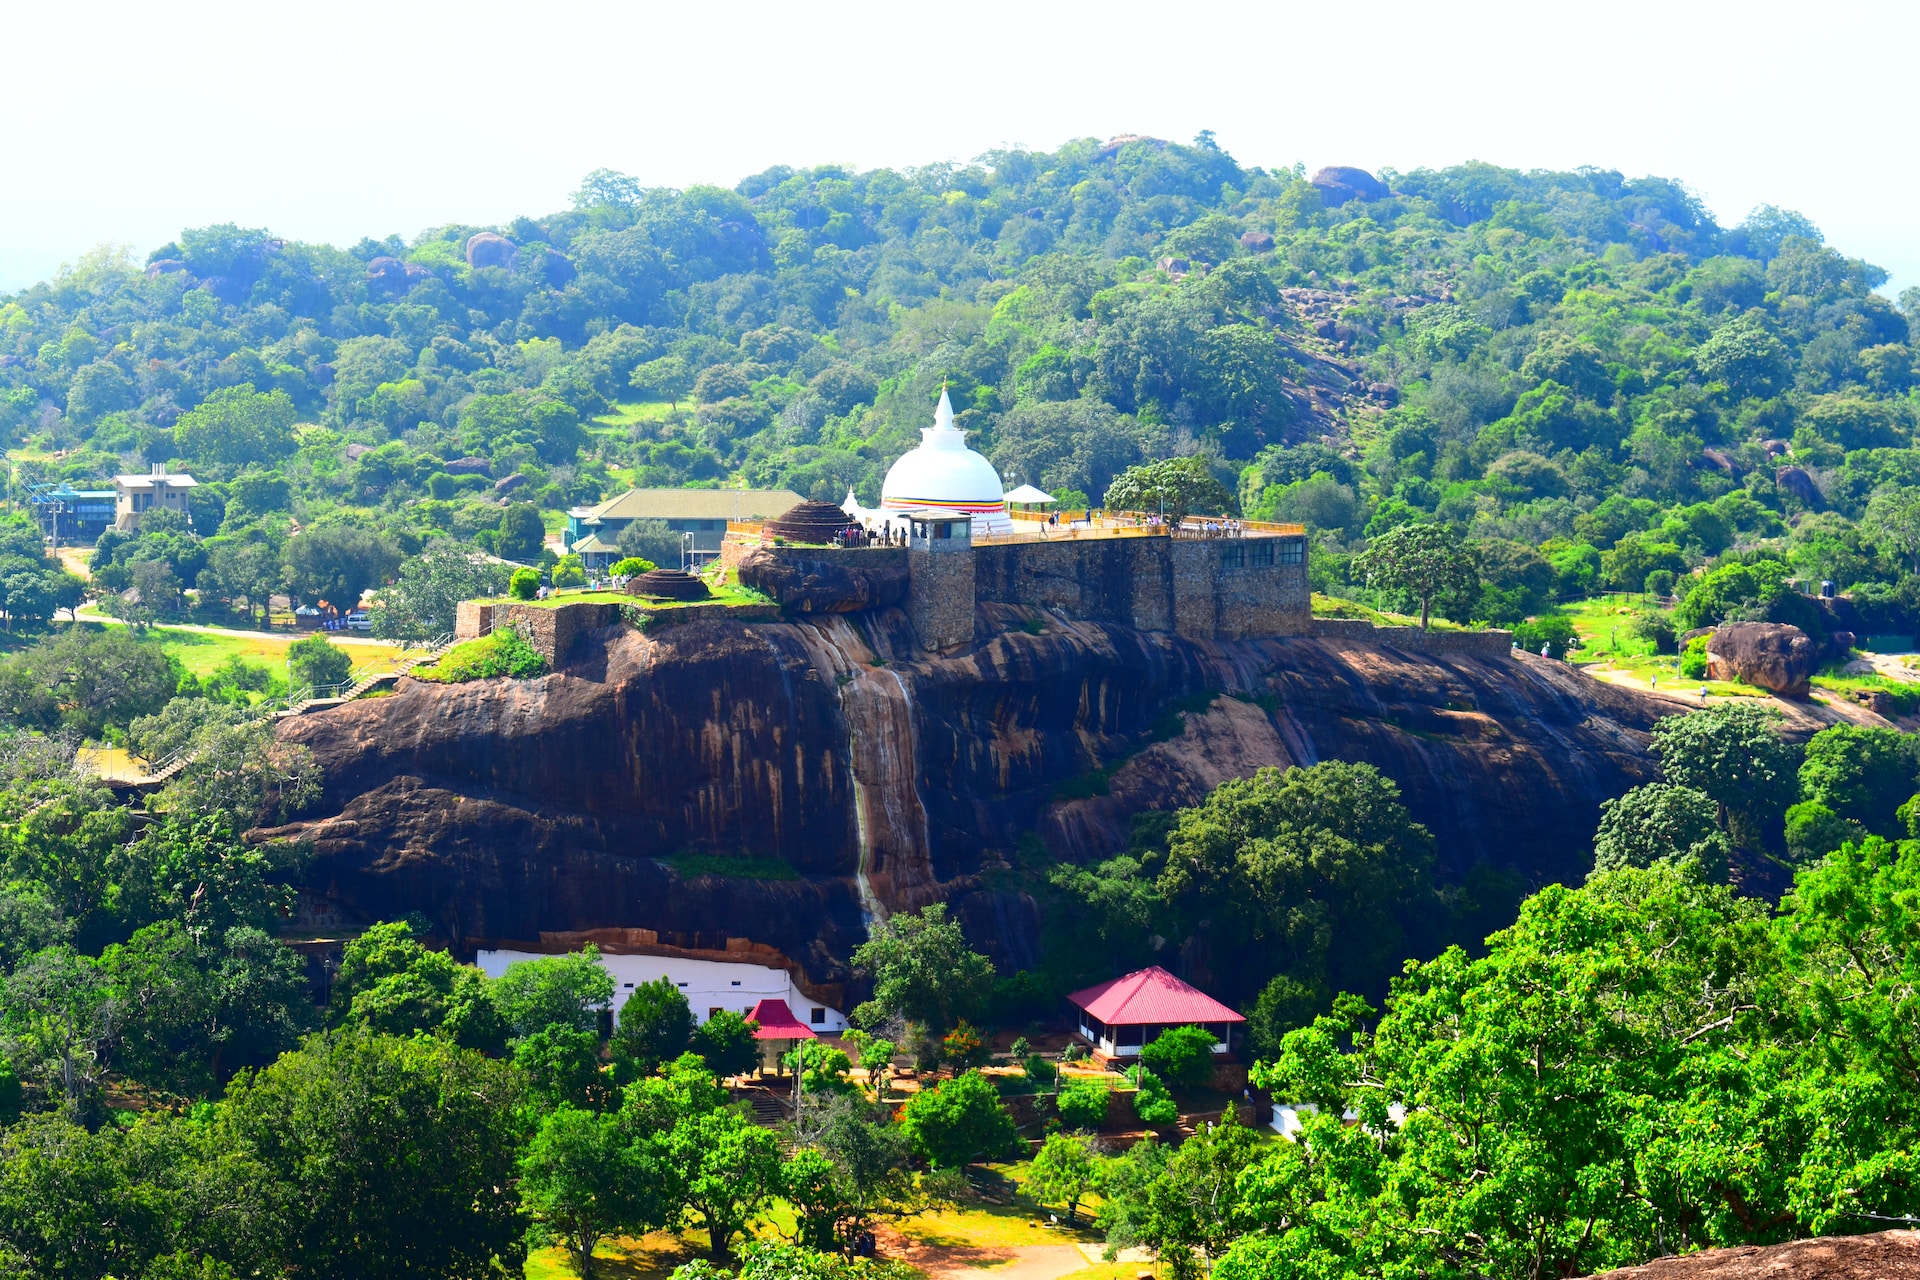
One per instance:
(237,426)
(561,1066)
(522,535)
(1319,873)
(192,1011)
(923,971)
(1424,561)
(313,661)
(1189,1206)
(566,991)
(1892,520)
(85,679)
(1175,488)
(727,1167)
(1860,773)
(958,1121)
(1182,1056)
(1733,754)
(1082,1104)
(655,1026)
(388,1157)
(1660,822)
(725,1042)
(1063,1172)
(246,574)
(337,563)
(58,1023)
(583,1179)
(524,584)
(424,598)
(389,982)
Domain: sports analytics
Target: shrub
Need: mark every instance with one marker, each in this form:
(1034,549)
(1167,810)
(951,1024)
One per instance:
(314,661)
(1660,582)
(524,584)
(631,567)
(1039,1070)
(1083,1103)
(1693,663)
(956,1122)
(963,1046)
(570,572)
(504,653)
(1658,630)
(1153,1104)
(1554,630)
(1182,1055)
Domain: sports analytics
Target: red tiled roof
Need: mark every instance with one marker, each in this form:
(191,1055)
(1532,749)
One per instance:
(1151,996)
(778,1023)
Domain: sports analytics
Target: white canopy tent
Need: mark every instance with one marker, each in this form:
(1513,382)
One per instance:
(1027,493)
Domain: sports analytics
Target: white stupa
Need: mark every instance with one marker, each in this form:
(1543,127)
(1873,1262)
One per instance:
(941,475)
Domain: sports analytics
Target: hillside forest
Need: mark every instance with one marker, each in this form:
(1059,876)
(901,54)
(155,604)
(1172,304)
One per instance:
(1573,383)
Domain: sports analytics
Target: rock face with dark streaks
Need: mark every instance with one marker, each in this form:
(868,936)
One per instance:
(844,768)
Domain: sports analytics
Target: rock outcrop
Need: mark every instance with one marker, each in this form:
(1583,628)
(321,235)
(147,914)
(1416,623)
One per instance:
(486,249)
(849,582)
(846,771)
(1884,1255)
(1768,655)
(1339,183)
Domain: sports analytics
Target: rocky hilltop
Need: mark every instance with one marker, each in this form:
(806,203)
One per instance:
(846,772)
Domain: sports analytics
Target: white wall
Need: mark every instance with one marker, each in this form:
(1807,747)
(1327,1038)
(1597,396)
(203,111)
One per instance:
(707,984)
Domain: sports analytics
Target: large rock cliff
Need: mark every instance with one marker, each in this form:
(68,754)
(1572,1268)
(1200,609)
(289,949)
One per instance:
(874,778)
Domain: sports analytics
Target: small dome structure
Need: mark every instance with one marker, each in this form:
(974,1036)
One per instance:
(668,584)
(944,475)
(809,522)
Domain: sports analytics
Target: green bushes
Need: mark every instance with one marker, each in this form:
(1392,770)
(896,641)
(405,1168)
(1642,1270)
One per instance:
(524,584)
(1693,662)
(1552,630)
(504,653)
(1153,1104)
(1082,1104)
(1181,1055)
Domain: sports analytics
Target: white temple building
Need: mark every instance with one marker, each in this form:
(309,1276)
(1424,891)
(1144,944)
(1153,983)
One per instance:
(708,985)
(941,475)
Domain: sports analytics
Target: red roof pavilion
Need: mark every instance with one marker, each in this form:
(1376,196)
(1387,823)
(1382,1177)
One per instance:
(778,1023)
(1151,995)
(1121,1014)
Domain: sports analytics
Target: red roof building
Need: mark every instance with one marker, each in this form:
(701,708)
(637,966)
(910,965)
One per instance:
(778,1023)
(1121,1014)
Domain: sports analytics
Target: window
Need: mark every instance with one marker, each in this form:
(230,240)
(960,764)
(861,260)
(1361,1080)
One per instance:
(1293,551)
(736,983)
(1260,552)
(681,985)
(1232,556)
(819,1016)
(715,1012)
(627,985)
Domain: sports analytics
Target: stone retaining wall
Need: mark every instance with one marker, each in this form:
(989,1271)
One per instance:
(550,630)
(1477,644)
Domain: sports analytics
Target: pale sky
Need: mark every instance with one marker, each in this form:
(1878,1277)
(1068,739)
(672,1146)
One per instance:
(122,123)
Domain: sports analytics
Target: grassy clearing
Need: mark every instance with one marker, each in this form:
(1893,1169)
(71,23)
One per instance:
(626,413)
(1904,695)
(1335,607)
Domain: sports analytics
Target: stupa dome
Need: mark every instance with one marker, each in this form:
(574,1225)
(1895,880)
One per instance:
(944,475)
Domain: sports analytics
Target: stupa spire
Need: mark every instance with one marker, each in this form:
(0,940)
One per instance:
(943,416)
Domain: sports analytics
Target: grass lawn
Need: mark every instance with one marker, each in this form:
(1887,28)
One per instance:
(1336,607)
(653,1257)
(627,413)
(200,652)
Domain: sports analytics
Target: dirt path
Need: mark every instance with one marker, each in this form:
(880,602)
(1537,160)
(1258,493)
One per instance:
(1001,1262)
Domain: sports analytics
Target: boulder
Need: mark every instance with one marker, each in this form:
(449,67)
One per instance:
(1340,183)
(1256,242)
(1768,655)
(507,484)
(469,467)
(389,274)
(485,249)
(1795,481)
(842,582)
(165,266)
(355,450)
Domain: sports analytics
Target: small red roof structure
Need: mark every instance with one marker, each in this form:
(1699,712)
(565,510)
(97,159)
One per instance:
(1151,996)
(778,1023)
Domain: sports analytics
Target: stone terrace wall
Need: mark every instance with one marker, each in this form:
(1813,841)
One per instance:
(551,631)
(1119,580)
(1212,601)
(1478,644)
